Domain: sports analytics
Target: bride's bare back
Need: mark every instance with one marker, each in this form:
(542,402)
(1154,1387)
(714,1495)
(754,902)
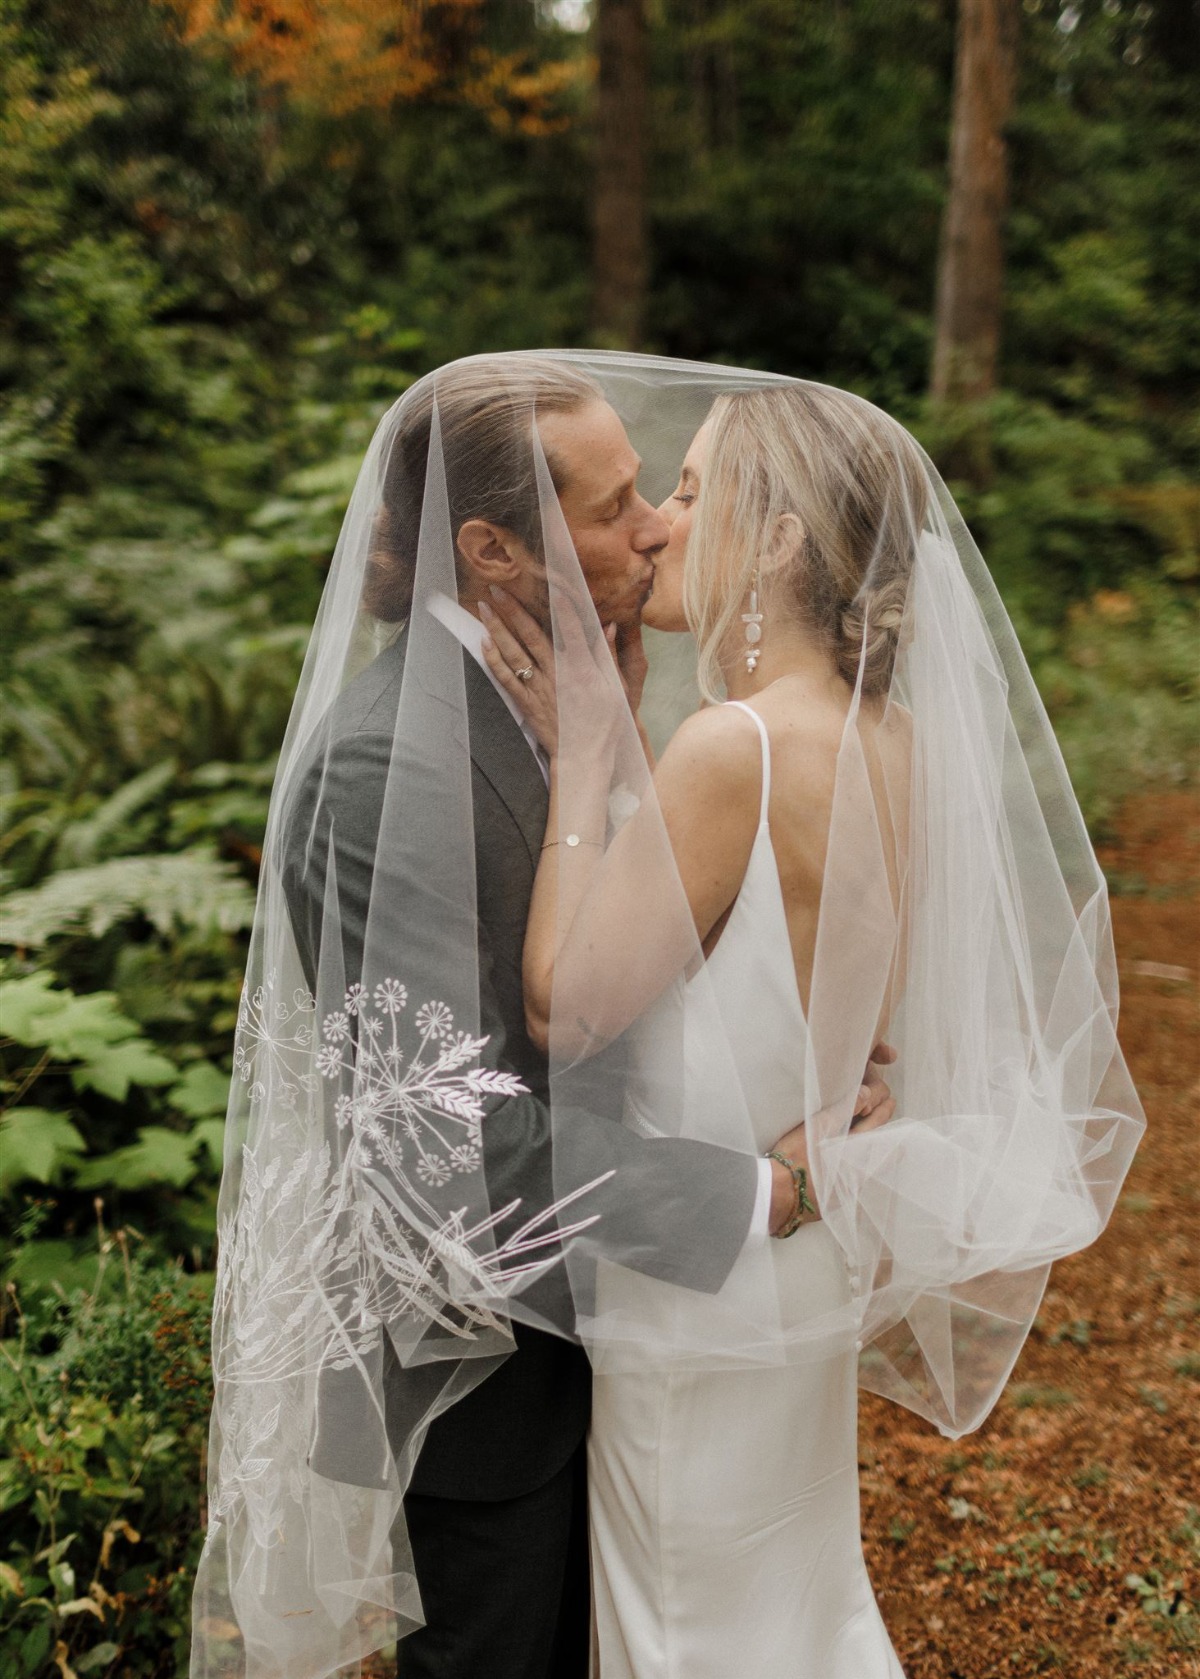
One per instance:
(806,727)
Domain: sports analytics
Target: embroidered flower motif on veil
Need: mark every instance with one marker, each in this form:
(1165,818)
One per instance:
(355,1229)
(435,1019)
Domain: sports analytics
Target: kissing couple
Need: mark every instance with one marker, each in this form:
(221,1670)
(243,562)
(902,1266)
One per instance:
(566,1205)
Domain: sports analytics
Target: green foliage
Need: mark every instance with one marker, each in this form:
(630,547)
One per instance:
(186,888)
(101,1073)
(36,1143)
(104,1395)
(1163,1600)
(1123,687)
(158,1156)
(104,1049)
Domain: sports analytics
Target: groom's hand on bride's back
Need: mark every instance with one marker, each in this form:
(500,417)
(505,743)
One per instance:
(875,1101)
(874,1106)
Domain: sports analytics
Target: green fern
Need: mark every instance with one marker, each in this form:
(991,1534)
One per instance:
(87,841)
(189,888)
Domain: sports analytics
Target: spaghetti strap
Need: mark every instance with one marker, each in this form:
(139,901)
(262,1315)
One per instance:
(766,757)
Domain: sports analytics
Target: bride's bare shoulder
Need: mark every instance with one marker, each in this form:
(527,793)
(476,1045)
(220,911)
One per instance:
(714,753)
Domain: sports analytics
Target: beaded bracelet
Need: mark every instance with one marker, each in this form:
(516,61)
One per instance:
(804,1207)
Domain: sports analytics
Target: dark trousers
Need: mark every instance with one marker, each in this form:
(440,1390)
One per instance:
(504,1585)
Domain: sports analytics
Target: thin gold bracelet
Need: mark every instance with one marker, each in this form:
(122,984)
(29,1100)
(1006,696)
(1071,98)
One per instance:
(572,840)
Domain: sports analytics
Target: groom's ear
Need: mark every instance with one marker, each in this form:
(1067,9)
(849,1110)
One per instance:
(493,553)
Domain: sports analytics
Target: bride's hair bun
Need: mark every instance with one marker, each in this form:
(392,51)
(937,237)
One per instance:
(827,496)
(485,407)
(869,634)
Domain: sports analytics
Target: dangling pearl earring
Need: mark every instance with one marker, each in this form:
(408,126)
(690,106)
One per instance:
(753,622)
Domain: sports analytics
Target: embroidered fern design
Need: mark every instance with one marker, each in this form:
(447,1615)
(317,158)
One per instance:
(359,1229)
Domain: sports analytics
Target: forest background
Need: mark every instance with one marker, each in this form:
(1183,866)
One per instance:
(231,232)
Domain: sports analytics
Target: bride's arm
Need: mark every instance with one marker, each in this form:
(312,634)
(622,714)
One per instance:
(609,929)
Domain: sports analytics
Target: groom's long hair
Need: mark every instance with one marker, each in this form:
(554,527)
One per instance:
(486,408)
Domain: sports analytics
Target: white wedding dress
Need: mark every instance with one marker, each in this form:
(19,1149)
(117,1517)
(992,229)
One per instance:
(724,1505)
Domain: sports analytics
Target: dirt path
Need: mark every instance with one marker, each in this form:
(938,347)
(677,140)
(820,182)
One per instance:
(1064,1537)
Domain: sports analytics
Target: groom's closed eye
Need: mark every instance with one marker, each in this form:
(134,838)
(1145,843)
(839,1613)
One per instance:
(611,506)
(615,506)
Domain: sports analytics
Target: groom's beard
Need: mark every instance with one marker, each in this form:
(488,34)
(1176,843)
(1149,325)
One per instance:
(623,609)
(613,604)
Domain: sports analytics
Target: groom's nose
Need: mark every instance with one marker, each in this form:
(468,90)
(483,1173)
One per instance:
(652,532)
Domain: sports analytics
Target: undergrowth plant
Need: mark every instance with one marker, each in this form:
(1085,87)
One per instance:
(104,1396)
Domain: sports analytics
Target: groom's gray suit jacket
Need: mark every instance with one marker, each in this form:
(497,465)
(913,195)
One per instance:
(692,1207)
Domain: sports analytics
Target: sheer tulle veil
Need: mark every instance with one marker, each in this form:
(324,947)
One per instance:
(374,1253)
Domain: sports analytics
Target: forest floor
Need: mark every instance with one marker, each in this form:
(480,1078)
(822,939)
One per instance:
(1064,1537)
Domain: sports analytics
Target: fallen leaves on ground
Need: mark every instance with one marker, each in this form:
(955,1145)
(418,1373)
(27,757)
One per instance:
(1064,1537)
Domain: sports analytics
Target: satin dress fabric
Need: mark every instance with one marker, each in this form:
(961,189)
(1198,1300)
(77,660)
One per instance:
(724,1503)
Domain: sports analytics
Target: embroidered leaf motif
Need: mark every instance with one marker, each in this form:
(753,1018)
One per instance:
(324,1245)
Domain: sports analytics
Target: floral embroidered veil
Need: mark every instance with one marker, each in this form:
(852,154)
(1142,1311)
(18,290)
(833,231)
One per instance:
(363,1230)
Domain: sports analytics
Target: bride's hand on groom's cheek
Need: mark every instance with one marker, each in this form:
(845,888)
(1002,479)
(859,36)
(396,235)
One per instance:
(521,658)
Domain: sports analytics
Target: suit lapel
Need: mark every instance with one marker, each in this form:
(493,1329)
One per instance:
(499,750)
(501,753)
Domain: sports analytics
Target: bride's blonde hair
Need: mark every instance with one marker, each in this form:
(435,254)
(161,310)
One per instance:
(826,496)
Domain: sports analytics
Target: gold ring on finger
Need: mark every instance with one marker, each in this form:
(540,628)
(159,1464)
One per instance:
(525,674)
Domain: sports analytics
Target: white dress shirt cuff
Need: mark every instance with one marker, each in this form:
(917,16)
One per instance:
(760,1219)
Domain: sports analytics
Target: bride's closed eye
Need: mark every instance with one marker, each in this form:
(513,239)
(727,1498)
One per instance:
(684,497)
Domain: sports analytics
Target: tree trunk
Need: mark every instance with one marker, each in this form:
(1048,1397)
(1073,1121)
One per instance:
(1175,32)
(620,260)
(970,282)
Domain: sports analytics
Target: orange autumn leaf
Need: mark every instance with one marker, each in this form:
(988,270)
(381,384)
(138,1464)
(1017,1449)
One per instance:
(342,56)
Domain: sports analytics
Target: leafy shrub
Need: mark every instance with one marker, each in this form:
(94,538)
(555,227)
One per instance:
(71,1066)
(1097,568)
(1123,689)
(104,1396)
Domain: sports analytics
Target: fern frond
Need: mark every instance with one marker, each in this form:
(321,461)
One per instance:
(85,842)
(193,888)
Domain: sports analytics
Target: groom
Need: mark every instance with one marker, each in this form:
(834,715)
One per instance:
(496,1505)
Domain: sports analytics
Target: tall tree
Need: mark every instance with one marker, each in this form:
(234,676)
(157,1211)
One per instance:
(970,281)
(620,256)
(1175,31)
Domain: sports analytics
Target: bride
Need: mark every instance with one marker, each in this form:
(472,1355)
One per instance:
(724,1504)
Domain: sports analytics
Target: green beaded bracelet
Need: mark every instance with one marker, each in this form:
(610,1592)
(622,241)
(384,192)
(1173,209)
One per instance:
(804,1207)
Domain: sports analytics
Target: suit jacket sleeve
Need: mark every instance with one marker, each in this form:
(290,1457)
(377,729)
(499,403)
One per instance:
(673,1208)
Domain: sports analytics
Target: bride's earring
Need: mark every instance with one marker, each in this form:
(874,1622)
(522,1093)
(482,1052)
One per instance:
(753,622)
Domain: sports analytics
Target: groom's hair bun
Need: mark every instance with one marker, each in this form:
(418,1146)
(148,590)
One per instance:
(485,407)
(827,496)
